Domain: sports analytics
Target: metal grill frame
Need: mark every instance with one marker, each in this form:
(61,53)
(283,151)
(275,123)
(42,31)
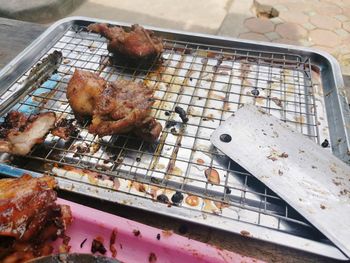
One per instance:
(284,60)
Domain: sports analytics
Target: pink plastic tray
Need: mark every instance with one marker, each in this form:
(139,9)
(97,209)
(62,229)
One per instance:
(89,223)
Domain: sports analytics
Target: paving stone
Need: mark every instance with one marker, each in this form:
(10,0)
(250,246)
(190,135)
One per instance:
(270,2)
(325,22)
(287,41)
(291,31)
(342,18)
(253,36)
(345,47)
(325,38)
(323,48)
(346,11)
(346,59)
(280,7)
(233,24)
(306,43)
(327,9)
(259,25)
(297,6)
(310,13)
(308,26)
(341,32)
(346,26)
(294,17)
(272,35)
(276,20)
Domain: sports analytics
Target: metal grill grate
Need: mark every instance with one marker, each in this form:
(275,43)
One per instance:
(209,83)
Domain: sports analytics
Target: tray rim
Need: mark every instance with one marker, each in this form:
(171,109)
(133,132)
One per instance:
(336,73)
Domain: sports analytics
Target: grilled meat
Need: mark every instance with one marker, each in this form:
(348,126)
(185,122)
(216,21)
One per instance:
(19,133)
(120,107)
(138,47)
(29,217)
(64,128)
(117,107)
(83,89)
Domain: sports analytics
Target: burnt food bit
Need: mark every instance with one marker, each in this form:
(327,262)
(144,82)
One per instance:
(170,123)
(325,143)
(182,114)
(212,175)
(136,232)
(155,180)
(152,258)
(177,198)
(97,246)
(82,243)
(112,242)
(163,198)
(65,128)
(173,131)
(255,92)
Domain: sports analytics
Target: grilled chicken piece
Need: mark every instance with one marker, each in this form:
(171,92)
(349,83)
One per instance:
(19,133)
(29,217)
(138,47)
(122,106)
(83,89)
(116,107)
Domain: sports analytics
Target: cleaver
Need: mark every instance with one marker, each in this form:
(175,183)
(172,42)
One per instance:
(308,177)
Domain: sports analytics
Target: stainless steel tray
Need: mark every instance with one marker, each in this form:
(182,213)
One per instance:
(209,77)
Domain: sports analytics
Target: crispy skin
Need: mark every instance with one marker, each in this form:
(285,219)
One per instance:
(139,46)
(83,89)
(122,106)
(20,133)
(29,217)
(117,107)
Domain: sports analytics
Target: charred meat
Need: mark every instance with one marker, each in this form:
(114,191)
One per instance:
(64,128)
(29,217)
(116,107)
(138,46)
(19,132)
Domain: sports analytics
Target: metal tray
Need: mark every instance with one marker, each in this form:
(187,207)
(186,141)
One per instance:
(209,77)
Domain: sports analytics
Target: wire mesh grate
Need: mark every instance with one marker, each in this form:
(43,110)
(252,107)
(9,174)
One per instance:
(210,83)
